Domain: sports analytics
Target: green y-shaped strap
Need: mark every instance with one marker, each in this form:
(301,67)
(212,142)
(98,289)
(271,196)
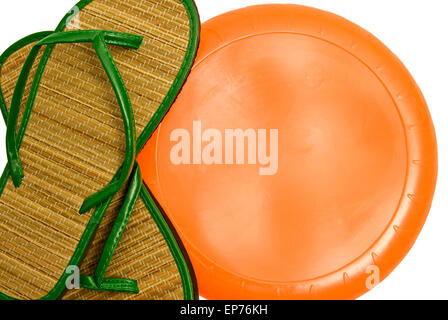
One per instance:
(99,39)
(98,281)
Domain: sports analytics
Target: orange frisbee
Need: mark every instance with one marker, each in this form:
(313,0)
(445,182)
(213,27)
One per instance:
(328,181)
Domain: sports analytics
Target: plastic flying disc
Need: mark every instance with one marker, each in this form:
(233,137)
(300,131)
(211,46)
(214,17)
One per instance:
(336,173)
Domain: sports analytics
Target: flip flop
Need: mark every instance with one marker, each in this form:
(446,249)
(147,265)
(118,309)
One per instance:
(71,143)
(333,210)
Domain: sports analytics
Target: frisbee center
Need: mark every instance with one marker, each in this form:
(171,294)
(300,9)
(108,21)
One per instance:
(342,159)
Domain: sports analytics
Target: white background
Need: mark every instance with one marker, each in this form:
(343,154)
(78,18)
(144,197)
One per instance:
(415,30)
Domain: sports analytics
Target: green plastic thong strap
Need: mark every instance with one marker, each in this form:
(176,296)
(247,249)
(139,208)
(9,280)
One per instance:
(98,281)
(99,39)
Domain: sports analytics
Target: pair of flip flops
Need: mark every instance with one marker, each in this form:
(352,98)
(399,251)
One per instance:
(79,103)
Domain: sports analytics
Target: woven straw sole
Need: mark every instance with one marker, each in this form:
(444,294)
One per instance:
(75,143)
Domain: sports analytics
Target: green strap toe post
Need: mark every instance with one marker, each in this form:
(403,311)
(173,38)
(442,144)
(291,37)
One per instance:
(99,40)
(118,285)
(98,281)
(119,226)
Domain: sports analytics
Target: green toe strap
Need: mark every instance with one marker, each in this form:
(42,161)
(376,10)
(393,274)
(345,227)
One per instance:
(109,284)
(98,281)
(99,39)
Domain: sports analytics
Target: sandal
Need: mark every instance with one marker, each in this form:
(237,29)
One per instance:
(70,144)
